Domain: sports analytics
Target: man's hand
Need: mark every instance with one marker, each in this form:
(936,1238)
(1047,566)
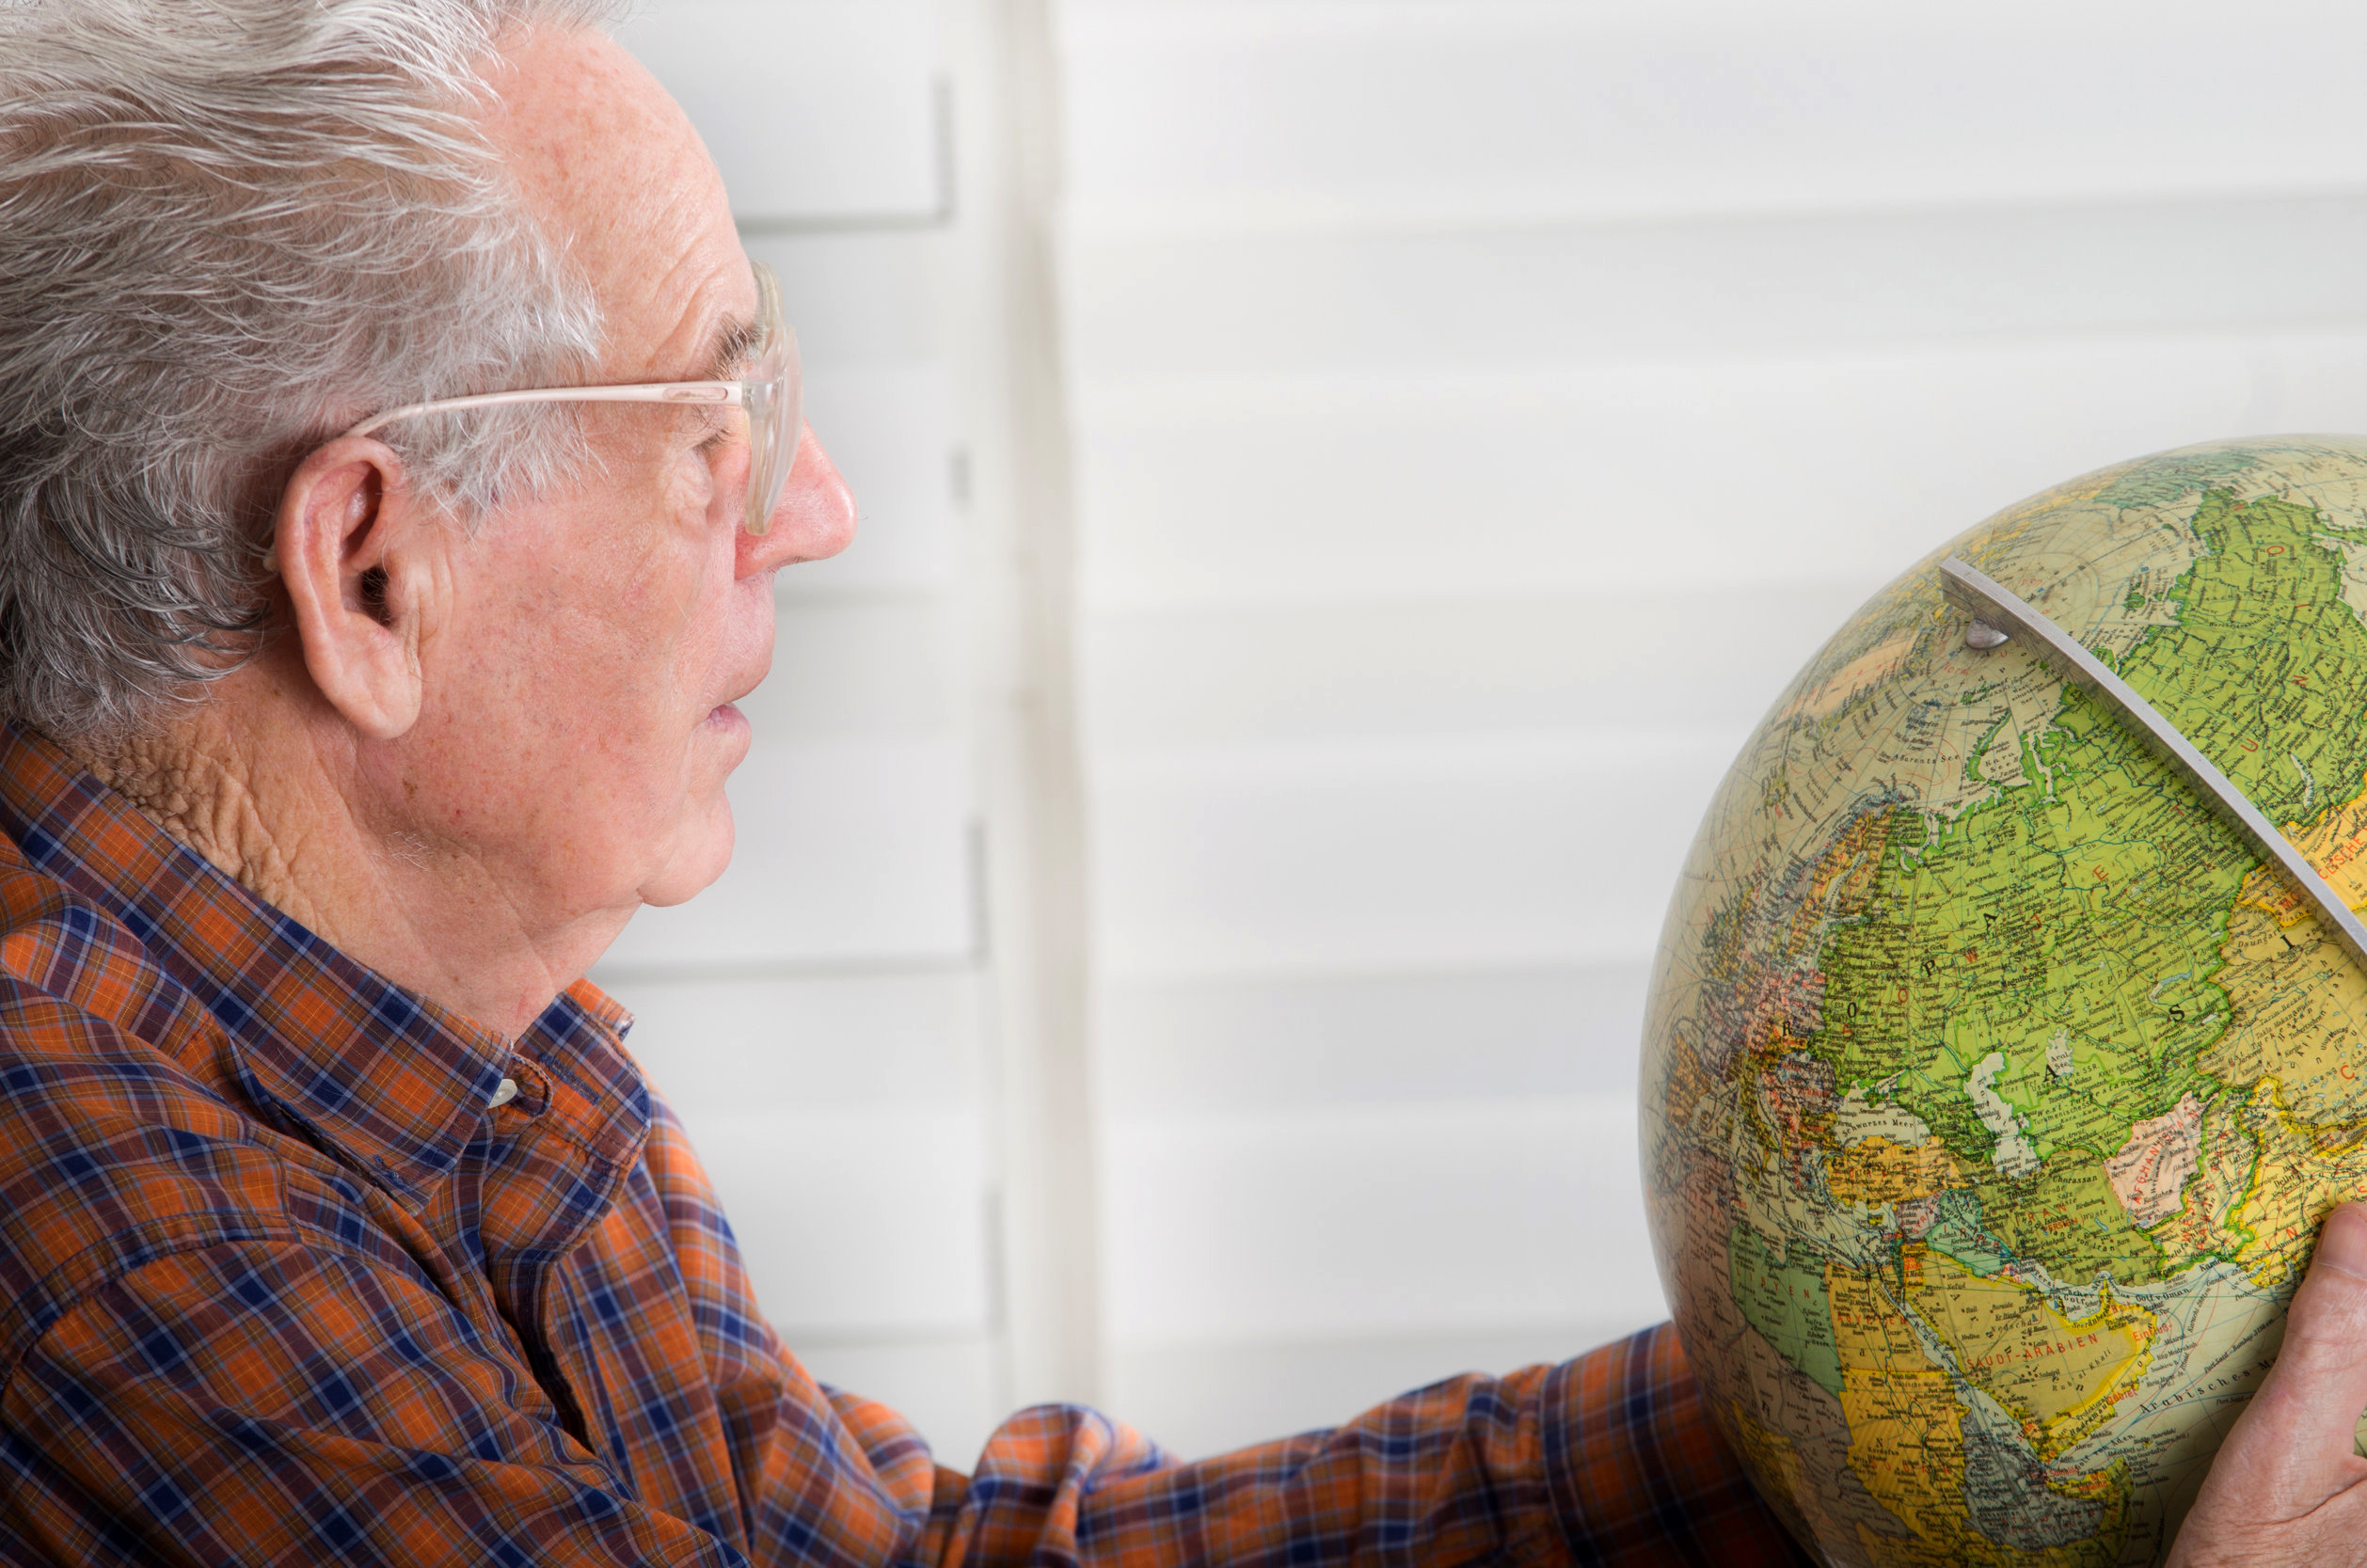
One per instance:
(2286,1486)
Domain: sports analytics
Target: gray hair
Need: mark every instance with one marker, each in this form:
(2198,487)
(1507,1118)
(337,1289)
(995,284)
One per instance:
(227,230)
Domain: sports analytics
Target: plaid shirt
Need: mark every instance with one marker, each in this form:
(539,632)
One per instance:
(282,1285)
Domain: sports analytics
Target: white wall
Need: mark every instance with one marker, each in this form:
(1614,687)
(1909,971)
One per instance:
(1458,421)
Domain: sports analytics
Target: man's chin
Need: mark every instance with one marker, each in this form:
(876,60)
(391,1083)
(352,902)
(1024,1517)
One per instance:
(694,870)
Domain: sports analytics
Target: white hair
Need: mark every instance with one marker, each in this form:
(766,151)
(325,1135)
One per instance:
(227,230)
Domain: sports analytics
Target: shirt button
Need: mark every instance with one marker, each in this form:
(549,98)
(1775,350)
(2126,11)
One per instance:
(502,1096)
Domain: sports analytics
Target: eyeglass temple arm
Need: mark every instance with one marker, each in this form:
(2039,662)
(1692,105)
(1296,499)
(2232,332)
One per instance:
(731,393)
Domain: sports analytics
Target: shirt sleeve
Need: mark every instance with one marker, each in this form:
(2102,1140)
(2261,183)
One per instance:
(267,1402)
(1608,1460)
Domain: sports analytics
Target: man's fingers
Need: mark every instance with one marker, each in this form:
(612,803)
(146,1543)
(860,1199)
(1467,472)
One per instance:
(2313,1396)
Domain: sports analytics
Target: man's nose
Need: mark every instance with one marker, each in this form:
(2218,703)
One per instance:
(815,518)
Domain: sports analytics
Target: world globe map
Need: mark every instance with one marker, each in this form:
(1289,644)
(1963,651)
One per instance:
(1995,1084)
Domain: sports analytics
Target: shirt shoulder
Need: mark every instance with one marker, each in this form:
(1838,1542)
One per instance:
(119,1141)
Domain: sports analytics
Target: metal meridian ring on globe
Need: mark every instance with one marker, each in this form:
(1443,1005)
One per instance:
(1998,606)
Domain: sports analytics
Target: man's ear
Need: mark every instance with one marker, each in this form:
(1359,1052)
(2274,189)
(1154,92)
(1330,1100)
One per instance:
(348,543)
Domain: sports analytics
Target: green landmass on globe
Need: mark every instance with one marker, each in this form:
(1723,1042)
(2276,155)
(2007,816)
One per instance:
(1993,1084)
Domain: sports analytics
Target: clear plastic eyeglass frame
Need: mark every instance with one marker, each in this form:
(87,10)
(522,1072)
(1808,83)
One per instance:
(773,396)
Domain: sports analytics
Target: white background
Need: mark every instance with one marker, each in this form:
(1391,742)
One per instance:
(1341,479)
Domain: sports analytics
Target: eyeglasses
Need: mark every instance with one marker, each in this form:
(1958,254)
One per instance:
(772,398)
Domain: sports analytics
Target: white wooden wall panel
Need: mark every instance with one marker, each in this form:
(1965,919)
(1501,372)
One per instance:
(1376,1218)
(867,1223)
(952,1389)
(1710,290)
(848,664)
(1194,675)
(864,301)
(1204,1046)
(813,109)
(717,1048)
(1283,114)
(1471,854)
(891,431)
(848,852)
(1298,488)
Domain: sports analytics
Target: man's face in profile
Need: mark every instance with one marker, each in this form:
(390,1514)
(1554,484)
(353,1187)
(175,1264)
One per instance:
(587,646)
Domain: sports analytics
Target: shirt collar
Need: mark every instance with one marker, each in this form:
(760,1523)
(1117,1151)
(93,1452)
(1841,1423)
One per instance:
(395,1083)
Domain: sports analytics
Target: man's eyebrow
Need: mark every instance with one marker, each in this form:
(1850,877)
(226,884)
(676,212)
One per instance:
(734,344)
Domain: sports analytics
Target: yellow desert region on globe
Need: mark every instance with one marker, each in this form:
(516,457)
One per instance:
(1994,1082)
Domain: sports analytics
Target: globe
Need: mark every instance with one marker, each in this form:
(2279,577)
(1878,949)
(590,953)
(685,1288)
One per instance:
(1995,1081)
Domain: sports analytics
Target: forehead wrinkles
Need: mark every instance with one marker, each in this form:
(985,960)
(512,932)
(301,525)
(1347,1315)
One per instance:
(618,178)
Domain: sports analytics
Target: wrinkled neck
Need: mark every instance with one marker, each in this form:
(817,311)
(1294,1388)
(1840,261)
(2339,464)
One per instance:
(281,810)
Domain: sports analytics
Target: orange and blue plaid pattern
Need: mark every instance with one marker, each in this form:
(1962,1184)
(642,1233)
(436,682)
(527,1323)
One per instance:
(279,1285)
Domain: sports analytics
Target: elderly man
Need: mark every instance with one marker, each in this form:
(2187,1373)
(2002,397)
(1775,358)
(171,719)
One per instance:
(396,450)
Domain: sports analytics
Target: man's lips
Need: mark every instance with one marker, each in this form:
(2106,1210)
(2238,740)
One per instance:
(727,711)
